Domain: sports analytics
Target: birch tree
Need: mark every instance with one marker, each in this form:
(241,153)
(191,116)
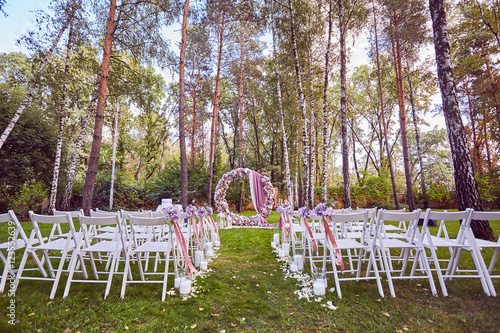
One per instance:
(41,66)
(465,181)
(61,115)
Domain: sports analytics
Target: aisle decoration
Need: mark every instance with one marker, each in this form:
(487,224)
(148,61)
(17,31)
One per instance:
(262,196)
(304,213)
(324,212)
(172,216)
(285,211)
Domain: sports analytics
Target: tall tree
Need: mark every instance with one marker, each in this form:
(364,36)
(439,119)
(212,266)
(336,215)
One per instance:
(398,68)
(289,186)
(41,66)
(302,102)
(465,181)
(182,135)
(88,191)
(343,106)
(382,111)
(325,106)
(61,115)
(215,112)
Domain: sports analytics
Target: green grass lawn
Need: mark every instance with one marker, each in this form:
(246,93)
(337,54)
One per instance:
(246,291)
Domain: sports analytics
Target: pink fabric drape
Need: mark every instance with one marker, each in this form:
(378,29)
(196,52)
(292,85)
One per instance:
(258,195)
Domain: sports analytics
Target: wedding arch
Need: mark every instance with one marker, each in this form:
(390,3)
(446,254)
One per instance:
(262,197)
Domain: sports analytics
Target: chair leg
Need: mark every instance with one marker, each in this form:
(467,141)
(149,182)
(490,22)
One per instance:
(438,271)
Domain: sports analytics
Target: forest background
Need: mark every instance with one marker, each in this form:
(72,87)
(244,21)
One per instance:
(268,86)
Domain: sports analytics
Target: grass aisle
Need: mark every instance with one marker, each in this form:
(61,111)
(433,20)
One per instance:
(245,291)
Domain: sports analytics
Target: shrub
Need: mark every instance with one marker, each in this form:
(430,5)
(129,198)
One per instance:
(31,197)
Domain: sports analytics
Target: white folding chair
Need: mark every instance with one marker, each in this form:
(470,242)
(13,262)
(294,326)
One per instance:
(384,243)
(456,245)
(38,242)
(16,240)
(361,248)
(88,246)
(158,241)
(476,246)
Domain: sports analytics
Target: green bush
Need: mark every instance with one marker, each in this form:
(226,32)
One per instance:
(31,197)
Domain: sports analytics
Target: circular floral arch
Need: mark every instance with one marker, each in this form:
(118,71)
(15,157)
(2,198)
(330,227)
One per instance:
(223,207)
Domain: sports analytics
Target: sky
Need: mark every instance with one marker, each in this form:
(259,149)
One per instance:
(21,17)
(19,20)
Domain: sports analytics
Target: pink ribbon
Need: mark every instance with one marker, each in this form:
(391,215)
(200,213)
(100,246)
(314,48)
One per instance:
(329,234)
(315,246)
(195,231)
(213,223)
(182,242)
(202,228)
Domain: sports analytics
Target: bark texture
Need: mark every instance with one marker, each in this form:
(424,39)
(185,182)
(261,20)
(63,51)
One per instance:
(465,181)
(88,191)
(182,131)
(302,102)
(324,194)
(289,186)
(61,115)
(215,113)
(343,108)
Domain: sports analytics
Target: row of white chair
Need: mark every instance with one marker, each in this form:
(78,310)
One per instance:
(365,239)
(102,242)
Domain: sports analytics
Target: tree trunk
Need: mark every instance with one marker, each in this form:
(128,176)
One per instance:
(115,139)
(465,181)
(62,114)
(195,124)
(324,189)
(343,108)
(240,120)
(312,135)
(289,186)
(423,181)
(182,132)
(396,50)
(215,115)
(302,102)
(76,154)
(382,111)
(257,142)
(31,88)
(476,149)
(88,191)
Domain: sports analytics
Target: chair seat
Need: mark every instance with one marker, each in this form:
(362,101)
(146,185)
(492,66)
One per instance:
(19,244)
(57,245)
(390,227)
(153,247)
(105,246)
(486,243)
(443,242)
(348,244)
(390,243)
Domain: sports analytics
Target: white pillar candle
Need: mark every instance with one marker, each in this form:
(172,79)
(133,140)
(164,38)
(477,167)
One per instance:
(319,288)
(217,243)
(273,244)
(299,261)
(185,288)
(293,268)
(203,265)
(281,253)
(286,248)
(177,282)
(210,253)
(277,238)
(198,256)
